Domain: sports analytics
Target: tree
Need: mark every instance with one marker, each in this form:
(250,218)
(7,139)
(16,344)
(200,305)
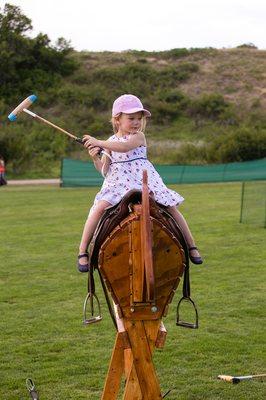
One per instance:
(13,22)
(28,64)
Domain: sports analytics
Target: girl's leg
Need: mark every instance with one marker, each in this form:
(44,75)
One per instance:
(185,229)
(89,228)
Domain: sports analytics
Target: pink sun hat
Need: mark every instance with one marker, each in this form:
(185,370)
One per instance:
(128,104)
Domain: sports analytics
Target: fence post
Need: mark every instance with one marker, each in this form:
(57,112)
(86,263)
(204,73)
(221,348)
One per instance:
(182,173)
(265,216)
(61,172)
(224,172)
(242,201)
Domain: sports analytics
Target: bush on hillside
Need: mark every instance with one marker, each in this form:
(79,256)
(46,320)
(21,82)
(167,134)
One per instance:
(24,149)
(174,74)
(183,52)
(214,107)
(91,96)
(242,145)
(191,153)
(178,52)
(247,46)
(168,105)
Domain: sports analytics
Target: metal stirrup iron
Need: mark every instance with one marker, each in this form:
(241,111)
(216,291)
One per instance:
(179,322)
(91,296)
(186,298)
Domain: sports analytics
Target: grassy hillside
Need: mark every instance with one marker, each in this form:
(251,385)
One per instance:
(207,106)
(238,74)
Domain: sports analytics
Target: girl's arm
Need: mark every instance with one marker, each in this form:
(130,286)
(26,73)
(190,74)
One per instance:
(134,141)
(101,164)
(94,153)
(105,164)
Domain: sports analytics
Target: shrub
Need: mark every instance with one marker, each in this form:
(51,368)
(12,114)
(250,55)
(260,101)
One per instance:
(174,96)
(191,153)
(211,106)
(163,112)
(89,96)
(243,145)
(247,46)
(168,105)
(173,74)
(177,53)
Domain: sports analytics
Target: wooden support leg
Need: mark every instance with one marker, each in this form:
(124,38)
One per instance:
(116,370)
(132,388)
(140,339)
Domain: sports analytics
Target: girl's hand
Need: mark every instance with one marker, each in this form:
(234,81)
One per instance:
(90,141)
(94,152)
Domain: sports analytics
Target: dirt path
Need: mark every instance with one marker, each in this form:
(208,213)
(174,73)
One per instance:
(21,182)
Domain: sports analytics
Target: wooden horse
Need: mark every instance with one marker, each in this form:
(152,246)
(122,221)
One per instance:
(141,255)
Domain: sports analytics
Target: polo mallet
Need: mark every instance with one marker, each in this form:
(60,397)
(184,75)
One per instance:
(25,104)
(31,388)
(237,379)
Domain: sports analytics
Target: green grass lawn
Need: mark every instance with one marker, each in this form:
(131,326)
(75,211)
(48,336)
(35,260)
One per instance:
(42,296)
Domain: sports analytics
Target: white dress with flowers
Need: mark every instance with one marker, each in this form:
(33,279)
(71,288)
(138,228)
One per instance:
(125,174)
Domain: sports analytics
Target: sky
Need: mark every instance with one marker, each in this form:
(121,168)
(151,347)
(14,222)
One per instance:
(152,25)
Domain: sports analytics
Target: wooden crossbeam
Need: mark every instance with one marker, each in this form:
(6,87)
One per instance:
(116,370)
(142,336)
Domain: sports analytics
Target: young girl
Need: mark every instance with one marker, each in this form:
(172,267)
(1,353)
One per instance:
(122,166)
(2,171)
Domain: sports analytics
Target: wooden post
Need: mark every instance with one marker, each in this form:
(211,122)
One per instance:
(115,372)
(138,332)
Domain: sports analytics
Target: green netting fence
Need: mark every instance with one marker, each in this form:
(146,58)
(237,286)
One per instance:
(83,173)
(253,203)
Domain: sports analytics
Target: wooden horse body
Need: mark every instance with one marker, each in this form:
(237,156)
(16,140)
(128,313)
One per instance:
(141,256)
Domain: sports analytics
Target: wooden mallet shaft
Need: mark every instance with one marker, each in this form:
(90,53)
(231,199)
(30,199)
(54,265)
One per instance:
(237,379)
(45,121)
(25,104)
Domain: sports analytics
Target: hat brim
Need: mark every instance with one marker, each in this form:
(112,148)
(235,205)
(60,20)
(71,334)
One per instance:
(134,110)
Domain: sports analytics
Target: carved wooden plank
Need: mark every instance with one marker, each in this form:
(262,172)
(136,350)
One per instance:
(132,389)
(142,359)
(121,328)
(161,336)
(115,372)
(146,240)
(137,262)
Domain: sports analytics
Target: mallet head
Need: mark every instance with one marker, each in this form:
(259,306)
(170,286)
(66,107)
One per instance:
(24,104)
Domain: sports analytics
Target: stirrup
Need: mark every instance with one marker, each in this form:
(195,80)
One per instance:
(179,322)
(92,319)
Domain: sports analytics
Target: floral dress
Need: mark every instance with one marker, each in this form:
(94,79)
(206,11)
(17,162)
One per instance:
(125,174)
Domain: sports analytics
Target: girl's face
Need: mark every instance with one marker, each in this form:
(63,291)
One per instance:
(130,123)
